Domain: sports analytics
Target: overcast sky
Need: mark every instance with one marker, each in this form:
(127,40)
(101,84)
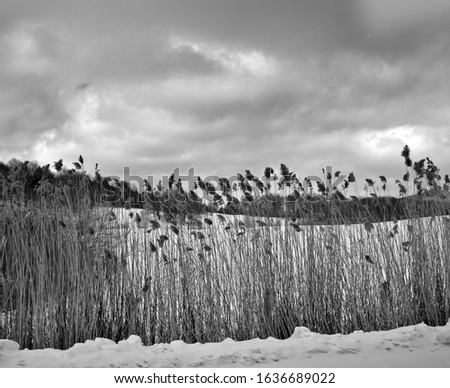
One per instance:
(226,85)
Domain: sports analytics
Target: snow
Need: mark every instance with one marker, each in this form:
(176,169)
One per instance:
(412,346)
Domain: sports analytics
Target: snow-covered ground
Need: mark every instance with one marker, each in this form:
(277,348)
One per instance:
(412,346)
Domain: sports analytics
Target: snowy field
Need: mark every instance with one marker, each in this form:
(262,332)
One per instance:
(412,346)
(417,346)
(229,231)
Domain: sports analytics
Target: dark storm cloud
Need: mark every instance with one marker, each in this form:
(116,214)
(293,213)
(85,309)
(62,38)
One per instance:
(225,85)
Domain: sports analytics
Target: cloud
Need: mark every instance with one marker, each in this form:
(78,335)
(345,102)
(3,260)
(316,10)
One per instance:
(403,27)
(390,16)
(223,86)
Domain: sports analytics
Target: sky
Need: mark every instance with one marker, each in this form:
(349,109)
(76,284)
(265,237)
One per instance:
(224,86)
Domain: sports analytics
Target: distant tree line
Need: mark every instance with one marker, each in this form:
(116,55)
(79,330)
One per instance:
(271,195)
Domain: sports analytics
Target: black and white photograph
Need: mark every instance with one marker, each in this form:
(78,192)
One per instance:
(215,184)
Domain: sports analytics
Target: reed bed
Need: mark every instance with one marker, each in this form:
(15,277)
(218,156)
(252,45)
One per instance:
(73,268)
(72,273)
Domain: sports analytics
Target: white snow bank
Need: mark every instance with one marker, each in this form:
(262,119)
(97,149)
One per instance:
(412,346)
